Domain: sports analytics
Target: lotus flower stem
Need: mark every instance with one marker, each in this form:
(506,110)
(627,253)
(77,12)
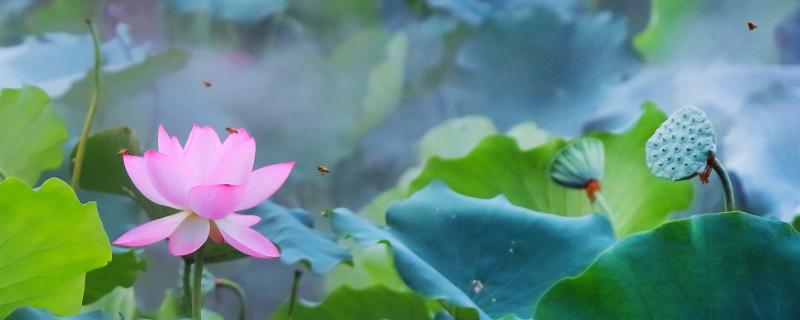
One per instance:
(76,172)
(730,205)
(199,256)
(240,294)
(187,287)
(297,275)
(600,202)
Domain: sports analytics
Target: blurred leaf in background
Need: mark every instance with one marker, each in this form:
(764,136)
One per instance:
(120,272)
(31,134)
(345,303)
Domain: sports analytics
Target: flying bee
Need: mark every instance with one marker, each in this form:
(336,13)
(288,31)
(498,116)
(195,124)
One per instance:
(751,25)
(124,152)
(323,170)
(231,130)
(207,83)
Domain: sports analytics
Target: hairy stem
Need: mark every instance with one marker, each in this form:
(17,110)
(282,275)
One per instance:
(730,204)
(601,204)
(240,294)
(293,298)
(187,287)
(199,256)
(76,172)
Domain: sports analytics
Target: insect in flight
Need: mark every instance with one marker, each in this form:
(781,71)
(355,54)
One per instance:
(751,25)
(231,130)
(323,170)
(124,152)
(207,83)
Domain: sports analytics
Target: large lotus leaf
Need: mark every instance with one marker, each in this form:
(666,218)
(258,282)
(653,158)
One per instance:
(486,255)
(103,170)
(125,265)
(497,166)
(372,303)
(29,313)
(297,241)
(716,266)
(30,134)
(536,65)
(48,241)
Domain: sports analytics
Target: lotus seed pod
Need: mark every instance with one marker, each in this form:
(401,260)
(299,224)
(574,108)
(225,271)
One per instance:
(580,162)
(680,148)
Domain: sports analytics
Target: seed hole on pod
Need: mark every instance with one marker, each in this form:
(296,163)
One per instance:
(691,138)
(669,158)
(688,150)
(676,148)
(673,167)
(660,164)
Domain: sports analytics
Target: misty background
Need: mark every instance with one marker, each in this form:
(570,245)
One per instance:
(355,84)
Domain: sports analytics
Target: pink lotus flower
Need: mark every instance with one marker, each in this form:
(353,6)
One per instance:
(208,180)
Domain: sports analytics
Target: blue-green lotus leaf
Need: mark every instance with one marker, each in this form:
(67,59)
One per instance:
(484,254)
(716,266)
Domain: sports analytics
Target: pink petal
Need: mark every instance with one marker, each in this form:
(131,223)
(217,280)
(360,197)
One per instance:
(215,234)
(179,153)
(264,182)
(201,152)
(152,231)
(234,139)
(247,240)
(171,178)
(137,170)
(216,201)
(246,220)
(165,144)
(189,236)
(236,165)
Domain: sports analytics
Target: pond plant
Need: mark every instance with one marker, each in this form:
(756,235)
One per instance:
(520,224)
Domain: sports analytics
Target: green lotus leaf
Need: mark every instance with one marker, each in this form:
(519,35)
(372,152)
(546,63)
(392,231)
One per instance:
(498,166)
(346,303)
(31,134)
(125,265)
(484,257)
(716,266)
(48,241)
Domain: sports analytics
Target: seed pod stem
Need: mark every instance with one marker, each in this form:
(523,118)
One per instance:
(730,205)
(601,205)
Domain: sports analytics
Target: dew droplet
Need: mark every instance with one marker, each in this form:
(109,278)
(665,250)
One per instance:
(494,299)
(513,242)
(511,250)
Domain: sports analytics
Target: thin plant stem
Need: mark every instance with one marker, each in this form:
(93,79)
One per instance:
(199,257)
(293,298)
(730,204)
(187,287)
(600,202)
(76,172)
(240,293)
